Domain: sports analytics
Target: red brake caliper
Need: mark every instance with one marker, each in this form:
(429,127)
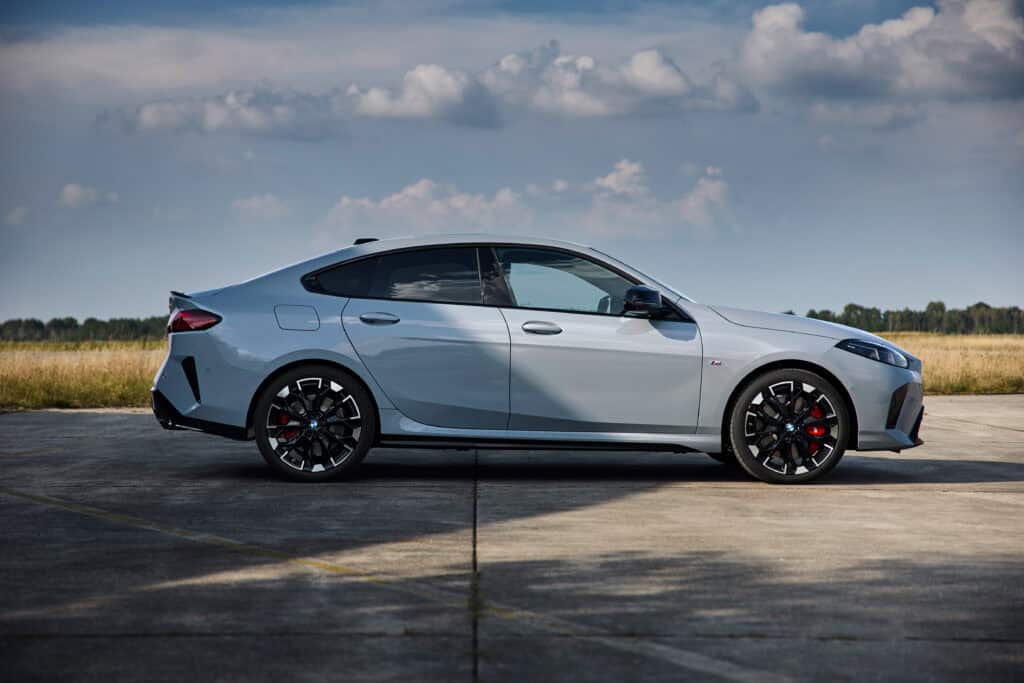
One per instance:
(815,430)
(290,434)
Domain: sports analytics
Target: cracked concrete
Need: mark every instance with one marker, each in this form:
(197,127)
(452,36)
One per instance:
(130,552)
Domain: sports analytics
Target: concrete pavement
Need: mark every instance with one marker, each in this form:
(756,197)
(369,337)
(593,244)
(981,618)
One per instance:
(132,552)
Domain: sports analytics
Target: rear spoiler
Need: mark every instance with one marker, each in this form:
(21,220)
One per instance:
(178,300)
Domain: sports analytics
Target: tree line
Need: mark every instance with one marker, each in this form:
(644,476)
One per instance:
(91,329)
(977,319)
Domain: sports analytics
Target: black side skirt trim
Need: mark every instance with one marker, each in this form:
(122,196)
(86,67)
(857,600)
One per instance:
(169,418)
(452,443)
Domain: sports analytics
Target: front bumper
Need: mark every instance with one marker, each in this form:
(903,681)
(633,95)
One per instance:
(902,424)
(888,401)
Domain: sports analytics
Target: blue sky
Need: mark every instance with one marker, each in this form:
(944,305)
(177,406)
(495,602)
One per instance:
(763,155)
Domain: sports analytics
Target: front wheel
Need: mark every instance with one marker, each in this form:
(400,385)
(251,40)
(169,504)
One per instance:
(315,423)
(789,427)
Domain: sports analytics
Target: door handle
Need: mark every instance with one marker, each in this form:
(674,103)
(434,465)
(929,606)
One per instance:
(378,318)
(541,327)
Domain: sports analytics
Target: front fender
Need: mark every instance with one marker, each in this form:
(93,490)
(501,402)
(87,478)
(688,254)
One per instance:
(731,356)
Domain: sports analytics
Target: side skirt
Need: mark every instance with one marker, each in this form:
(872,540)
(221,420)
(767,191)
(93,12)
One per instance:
(451,443)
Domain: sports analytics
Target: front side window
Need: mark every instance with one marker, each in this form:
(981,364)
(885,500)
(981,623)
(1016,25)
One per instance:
(443,275)
(557,280)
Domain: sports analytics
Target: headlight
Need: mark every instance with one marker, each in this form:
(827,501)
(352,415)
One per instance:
(882,354)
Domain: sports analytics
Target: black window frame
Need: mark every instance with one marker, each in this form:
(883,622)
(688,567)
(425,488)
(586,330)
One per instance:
(499,295)
(311,283)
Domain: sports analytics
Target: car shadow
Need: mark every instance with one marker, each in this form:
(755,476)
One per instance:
(854,470)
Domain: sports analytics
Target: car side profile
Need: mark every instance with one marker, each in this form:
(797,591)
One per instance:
(483,341)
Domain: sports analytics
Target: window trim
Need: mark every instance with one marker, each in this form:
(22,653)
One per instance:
(311,284)
(308,279)
(512,295)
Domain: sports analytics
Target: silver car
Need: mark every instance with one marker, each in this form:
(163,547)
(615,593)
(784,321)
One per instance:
(482,341)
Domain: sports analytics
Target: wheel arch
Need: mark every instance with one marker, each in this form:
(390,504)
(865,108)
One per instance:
(287,367)
(851,442)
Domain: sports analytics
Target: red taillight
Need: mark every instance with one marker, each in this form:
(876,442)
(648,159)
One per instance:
(192,320)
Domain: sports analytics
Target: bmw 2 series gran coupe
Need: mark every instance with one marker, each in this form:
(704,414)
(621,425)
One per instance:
(481,341)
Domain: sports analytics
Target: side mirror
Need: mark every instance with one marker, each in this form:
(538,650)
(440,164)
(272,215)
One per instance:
(643,301)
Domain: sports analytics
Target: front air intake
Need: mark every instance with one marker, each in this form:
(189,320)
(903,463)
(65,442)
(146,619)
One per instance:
(896,407)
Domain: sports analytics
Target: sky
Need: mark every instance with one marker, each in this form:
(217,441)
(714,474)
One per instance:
(752,154)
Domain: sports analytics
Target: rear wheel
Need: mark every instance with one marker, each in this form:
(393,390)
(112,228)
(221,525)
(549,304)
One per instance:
(789,426)
(315,423)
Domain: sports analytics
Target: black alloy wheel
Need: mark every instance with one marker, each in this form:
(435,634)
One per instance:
(789,426)
(315,423)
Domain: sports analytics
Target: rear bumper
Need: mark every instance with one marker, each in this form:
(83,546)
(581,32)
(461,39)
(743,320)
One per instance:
(169,418)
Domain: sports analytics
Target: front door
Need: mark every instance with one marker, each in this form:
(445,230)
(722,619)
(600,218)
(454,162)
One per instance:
(578,364)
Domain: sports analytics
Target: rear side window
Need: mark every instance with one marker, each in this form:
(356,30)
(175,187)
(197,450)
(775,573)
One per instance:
(352,279)
(443,275)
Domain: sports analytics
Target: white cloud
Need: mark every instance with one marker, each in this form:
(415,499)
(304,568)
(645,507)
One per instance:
(262,111)
(540,81)
(429,206)
(430,91)
(968,49)
(634,209)
(260,207)
(319,46)
(17,215)
(702,204)
(648,82)
(627,178)
(618,203)
(74,196)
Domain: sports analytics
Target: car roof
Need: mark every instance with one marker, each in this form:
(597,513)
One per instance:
(391,243)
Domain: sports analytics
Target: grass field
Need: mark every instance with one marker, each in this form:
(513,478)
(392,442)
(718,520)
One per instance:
(115,374)
(78,374)
(967,364)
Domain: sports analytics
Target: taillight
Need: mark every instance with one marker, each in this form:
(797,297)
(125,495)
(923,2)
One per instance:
(192,320)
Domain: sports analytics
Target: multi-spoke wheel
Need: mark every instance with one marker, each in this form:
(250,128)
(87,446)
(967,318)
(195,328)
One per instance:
(315,423)
(789,426)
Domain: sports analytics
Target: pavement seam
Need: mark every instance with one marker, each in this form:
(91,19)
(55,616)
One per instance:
(476,603)
(443,635)
(630,645)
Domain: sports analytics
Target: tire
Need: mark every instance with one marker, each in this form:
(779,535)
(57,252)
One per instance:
(789,426)
(315,423)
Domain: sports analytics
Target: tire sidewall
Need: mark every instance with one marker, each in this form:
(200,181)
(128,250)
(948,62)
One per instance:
(737,425)
(367,409)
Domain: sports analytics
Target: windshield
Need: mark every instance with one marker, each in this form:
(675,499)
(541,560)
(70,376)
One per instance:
(660,284)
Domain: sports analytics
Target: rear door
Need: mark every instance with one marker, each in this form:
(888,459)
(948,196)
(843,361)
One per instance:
(417,321)
(579,363)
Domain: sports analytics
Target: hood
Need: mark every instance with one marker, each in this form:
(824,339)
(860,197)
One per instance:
(783,322)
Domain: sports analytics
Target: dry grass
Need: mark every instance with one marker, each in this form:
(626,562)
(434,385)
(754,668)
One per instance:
(117,374)
(86,375)
(967,364)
